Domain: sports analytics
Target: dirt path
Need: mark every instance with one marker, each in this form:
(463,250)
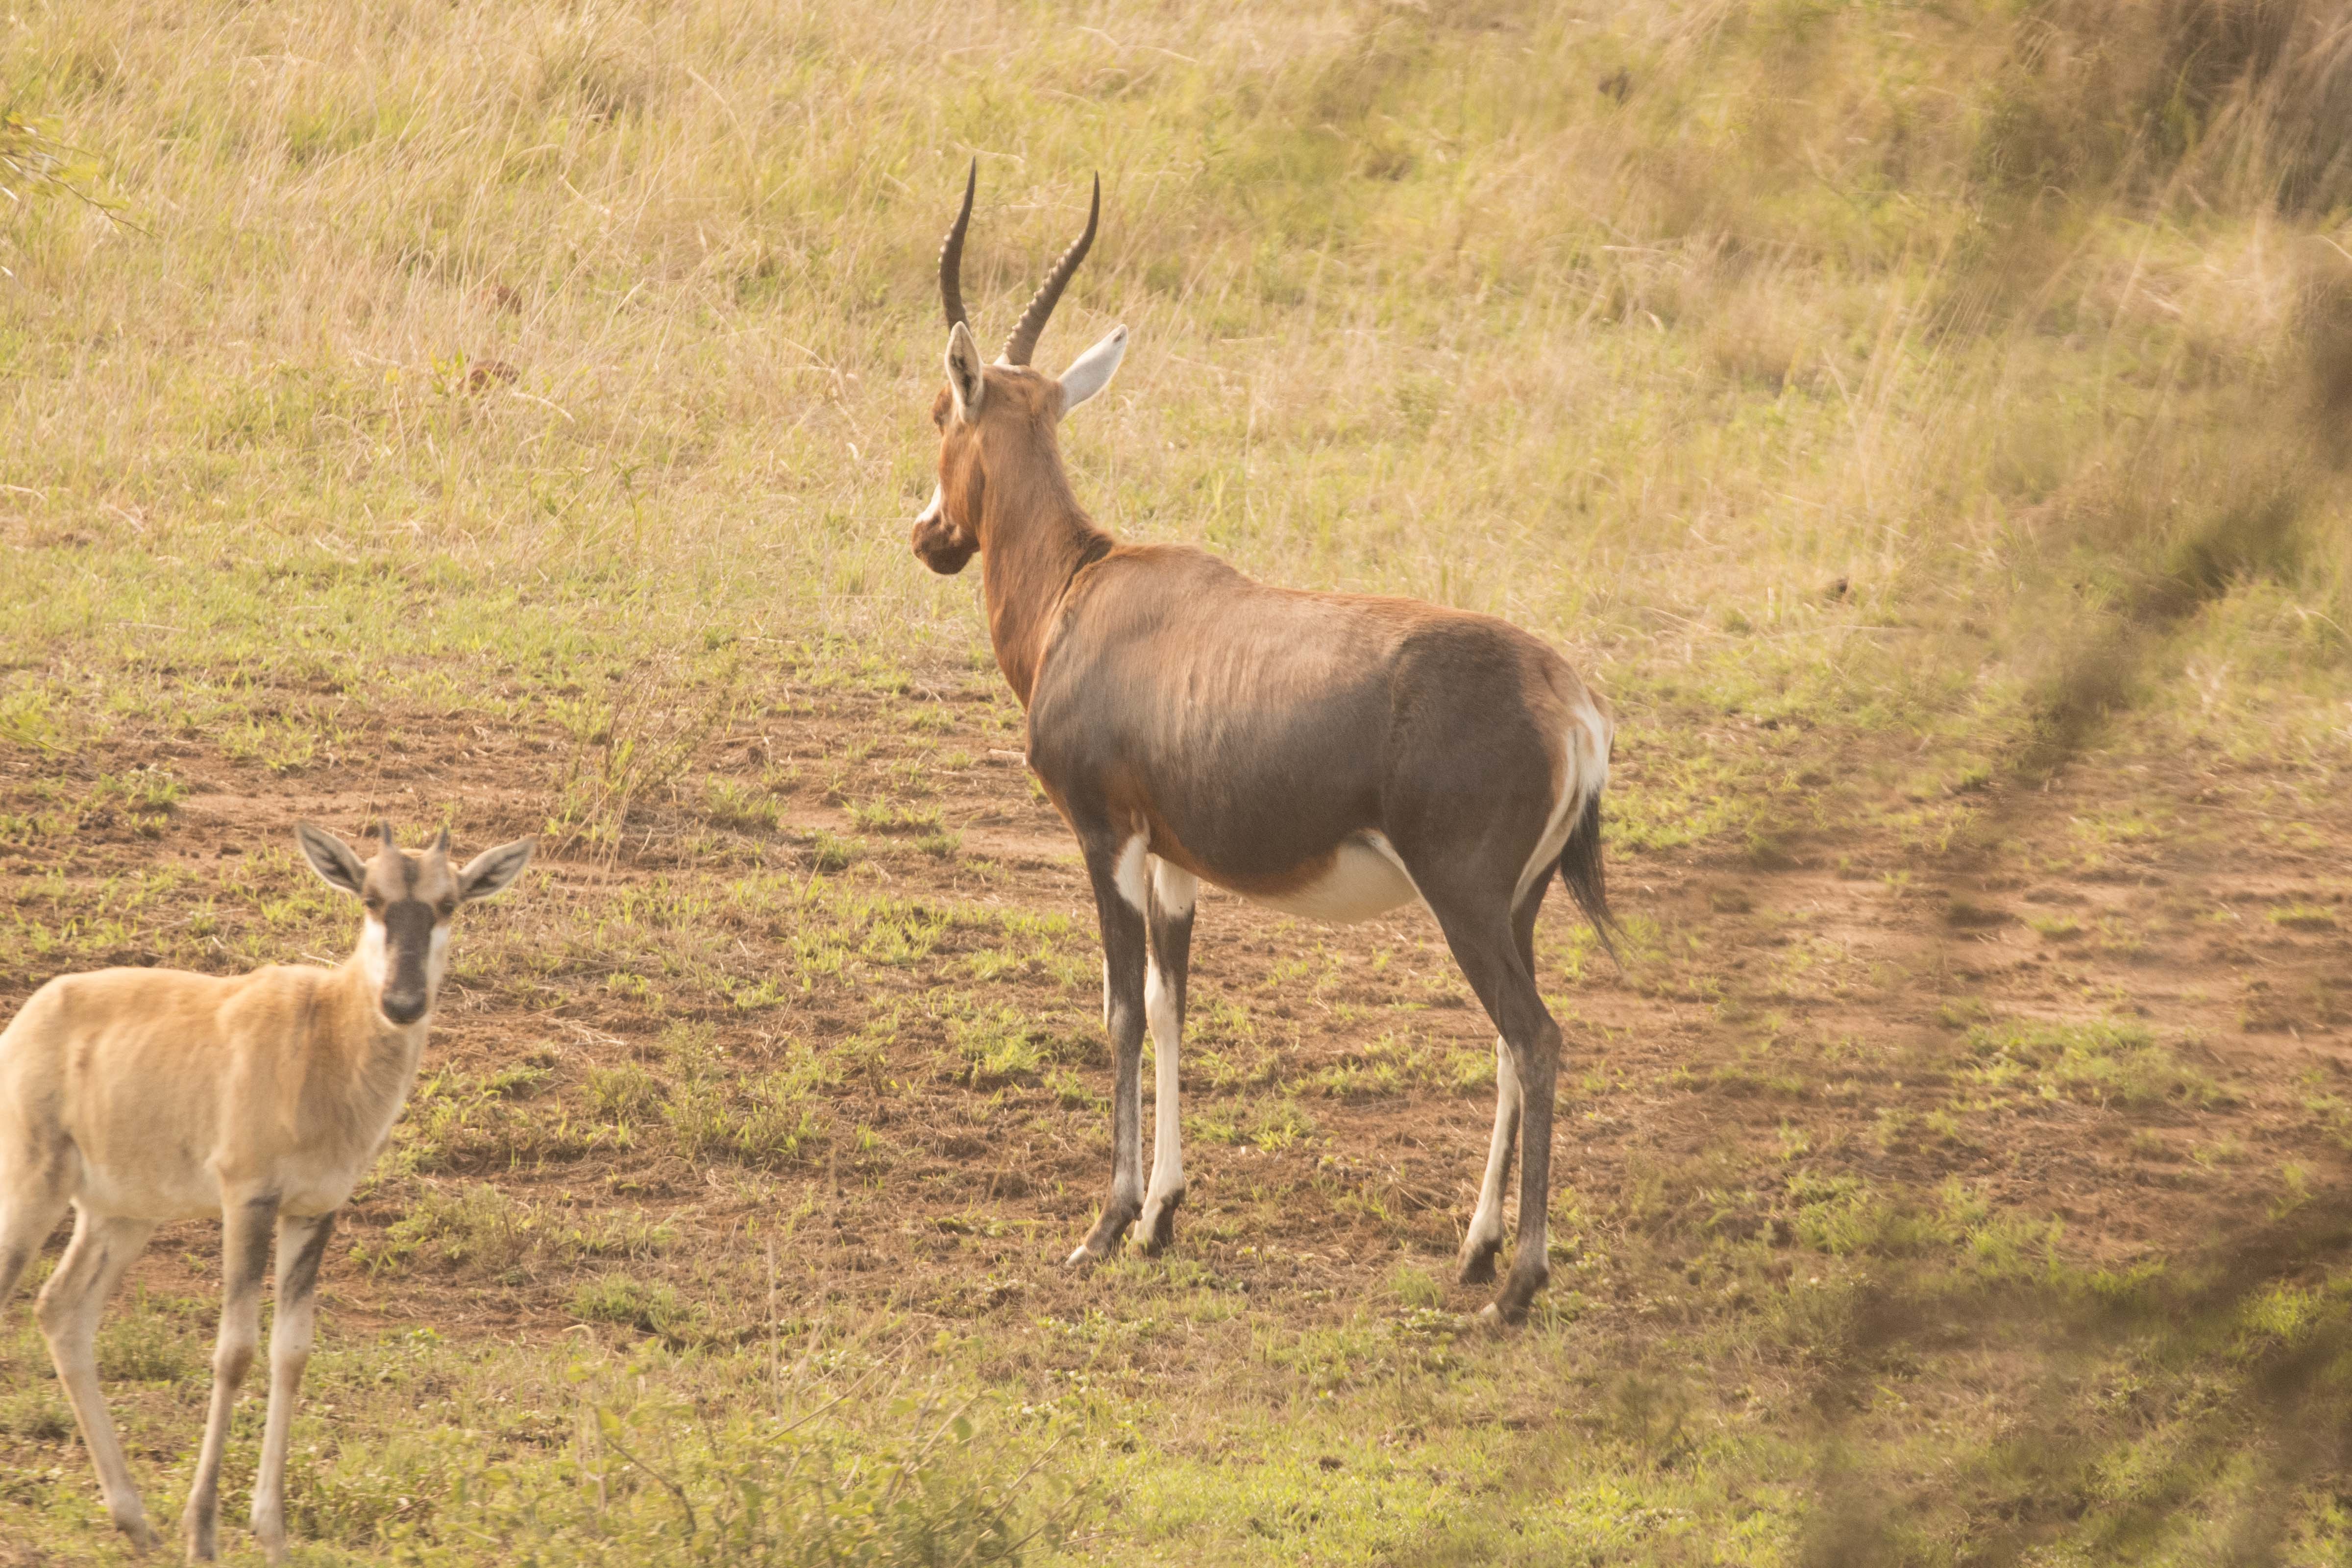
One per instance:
(2124,1014)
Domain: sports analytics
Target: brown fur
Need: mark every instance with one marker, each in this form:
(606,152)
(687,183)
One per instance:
(1285,745)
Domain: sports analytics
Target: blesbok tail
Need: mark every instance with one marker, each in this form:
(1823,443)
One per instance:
(1587,878)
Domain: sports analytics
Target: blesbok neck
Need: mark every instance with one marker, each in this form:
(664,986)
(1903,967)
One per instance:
(1033,539)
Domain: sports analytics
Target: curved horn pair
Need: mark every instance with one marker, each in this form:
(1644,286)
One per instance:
(1023,341)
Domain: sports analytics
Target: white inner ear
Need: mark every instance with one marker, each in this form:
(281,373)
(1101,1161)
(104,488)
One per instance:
(1091,371)
(963,372)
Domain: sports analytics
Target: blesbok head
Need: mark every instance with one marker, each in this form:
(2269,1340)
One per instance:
(1002,414)
(409,899)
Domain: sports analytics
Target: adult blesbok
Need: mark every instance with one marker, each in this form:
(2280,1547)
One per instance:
(139,1096)
(1333,755)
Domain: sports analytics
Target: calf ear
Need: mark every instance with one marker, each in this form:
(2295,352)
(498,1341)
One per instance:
(964,373)
(488,873)
(1091,371)
(330,858)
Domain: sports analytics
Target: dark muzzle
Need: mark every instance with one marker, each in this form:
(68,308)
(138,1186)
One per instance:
(408,945)
(941,545)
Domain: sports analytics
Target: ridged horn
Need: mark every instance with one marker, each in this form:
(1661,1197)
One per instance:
(951,254)
(1023,341)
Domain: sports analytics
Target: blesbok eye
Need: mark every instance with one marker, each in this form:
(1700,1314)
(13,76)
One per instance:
(939,415)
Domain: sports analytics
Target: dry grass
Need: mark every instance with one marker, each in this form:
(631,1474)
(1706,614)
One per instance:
(1893,405)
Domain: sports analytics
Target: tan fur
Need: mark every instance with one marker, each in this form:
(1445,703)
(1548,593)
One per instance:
(138,1097)
(177,1091)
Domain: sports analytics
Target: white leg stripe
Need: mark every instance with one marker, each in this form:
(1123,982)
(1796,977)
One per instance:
(1167,1122)
(1174,886)
(1487,1223)
(1132,874)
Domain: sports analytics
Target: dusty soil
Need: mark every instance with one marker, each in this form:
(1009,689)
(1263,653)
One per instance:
(1822,997)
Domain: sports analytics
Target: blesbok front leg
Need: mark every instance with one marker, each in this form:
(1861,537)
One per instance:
(1485,1237)
(301,1248)
(1122,892)
(1174,890)
(69,1311)
(247,1223)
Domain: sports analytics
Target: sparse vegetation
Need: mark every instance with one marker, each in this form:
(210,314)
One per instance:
(1926,422)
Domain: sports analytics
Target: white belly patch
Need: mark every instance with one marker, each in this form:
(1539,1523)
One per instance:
(1366,878)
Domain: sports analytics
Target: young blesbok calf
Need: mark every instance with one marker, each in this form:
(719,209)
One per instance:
(1332,755)
(139,1096)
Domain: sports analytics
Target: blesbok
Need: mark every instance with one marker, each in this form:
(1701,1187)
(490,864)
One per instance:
(1333,755)
(141,1095)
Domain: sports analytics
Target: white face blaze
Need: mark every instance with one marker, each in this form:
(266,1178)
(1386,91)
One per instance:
(931,512)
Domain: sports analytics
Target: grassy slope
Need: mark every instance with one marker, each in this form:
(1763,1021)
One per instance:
(1423,304)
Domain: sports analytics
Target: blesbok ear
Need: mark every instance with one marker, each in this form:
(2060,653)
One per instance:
(1091,371)
(490,872)
(964,373)
(332,858)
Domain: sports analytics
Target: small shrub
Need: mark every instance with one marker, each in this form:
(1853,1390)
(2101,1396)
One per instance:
(830,853)
(627,1094)
(728,804)
(2102,1061)
(634,1304)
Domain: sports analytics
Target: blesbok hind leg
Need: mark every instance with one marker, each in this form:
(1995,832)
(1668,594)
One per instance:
(301,1247)
(69,1307)
(245,1226)
(1121,881)
(1486,946)
(1173,892)
(1485,1238)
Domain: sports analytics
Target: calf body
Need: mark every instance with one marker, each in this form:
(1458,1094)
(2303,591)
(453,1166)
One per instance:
(137,1097)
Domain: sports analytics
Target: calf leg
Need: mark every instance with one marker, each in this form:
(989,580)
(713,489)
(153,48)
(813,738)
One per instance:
(32,1201)
(69,1309)
(246,1225)
(1122,890)
(302,1245)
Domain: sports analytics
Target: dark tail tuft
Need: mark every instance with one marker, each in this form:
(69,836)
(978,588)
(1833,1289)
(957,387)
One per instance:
(1588,882)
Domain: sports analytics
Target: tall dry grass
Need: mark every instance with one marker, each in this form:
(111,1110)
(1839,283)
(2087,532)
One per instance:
(459,347)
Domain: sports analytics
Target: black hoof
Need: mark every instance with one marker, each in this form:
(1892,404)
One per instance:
(1510,1308)
(1161,1231)
(1102,1241)
(1478,1268)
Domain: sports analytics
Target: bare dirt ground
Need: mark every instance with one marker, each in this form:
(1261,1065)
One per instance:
(1821,1001)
